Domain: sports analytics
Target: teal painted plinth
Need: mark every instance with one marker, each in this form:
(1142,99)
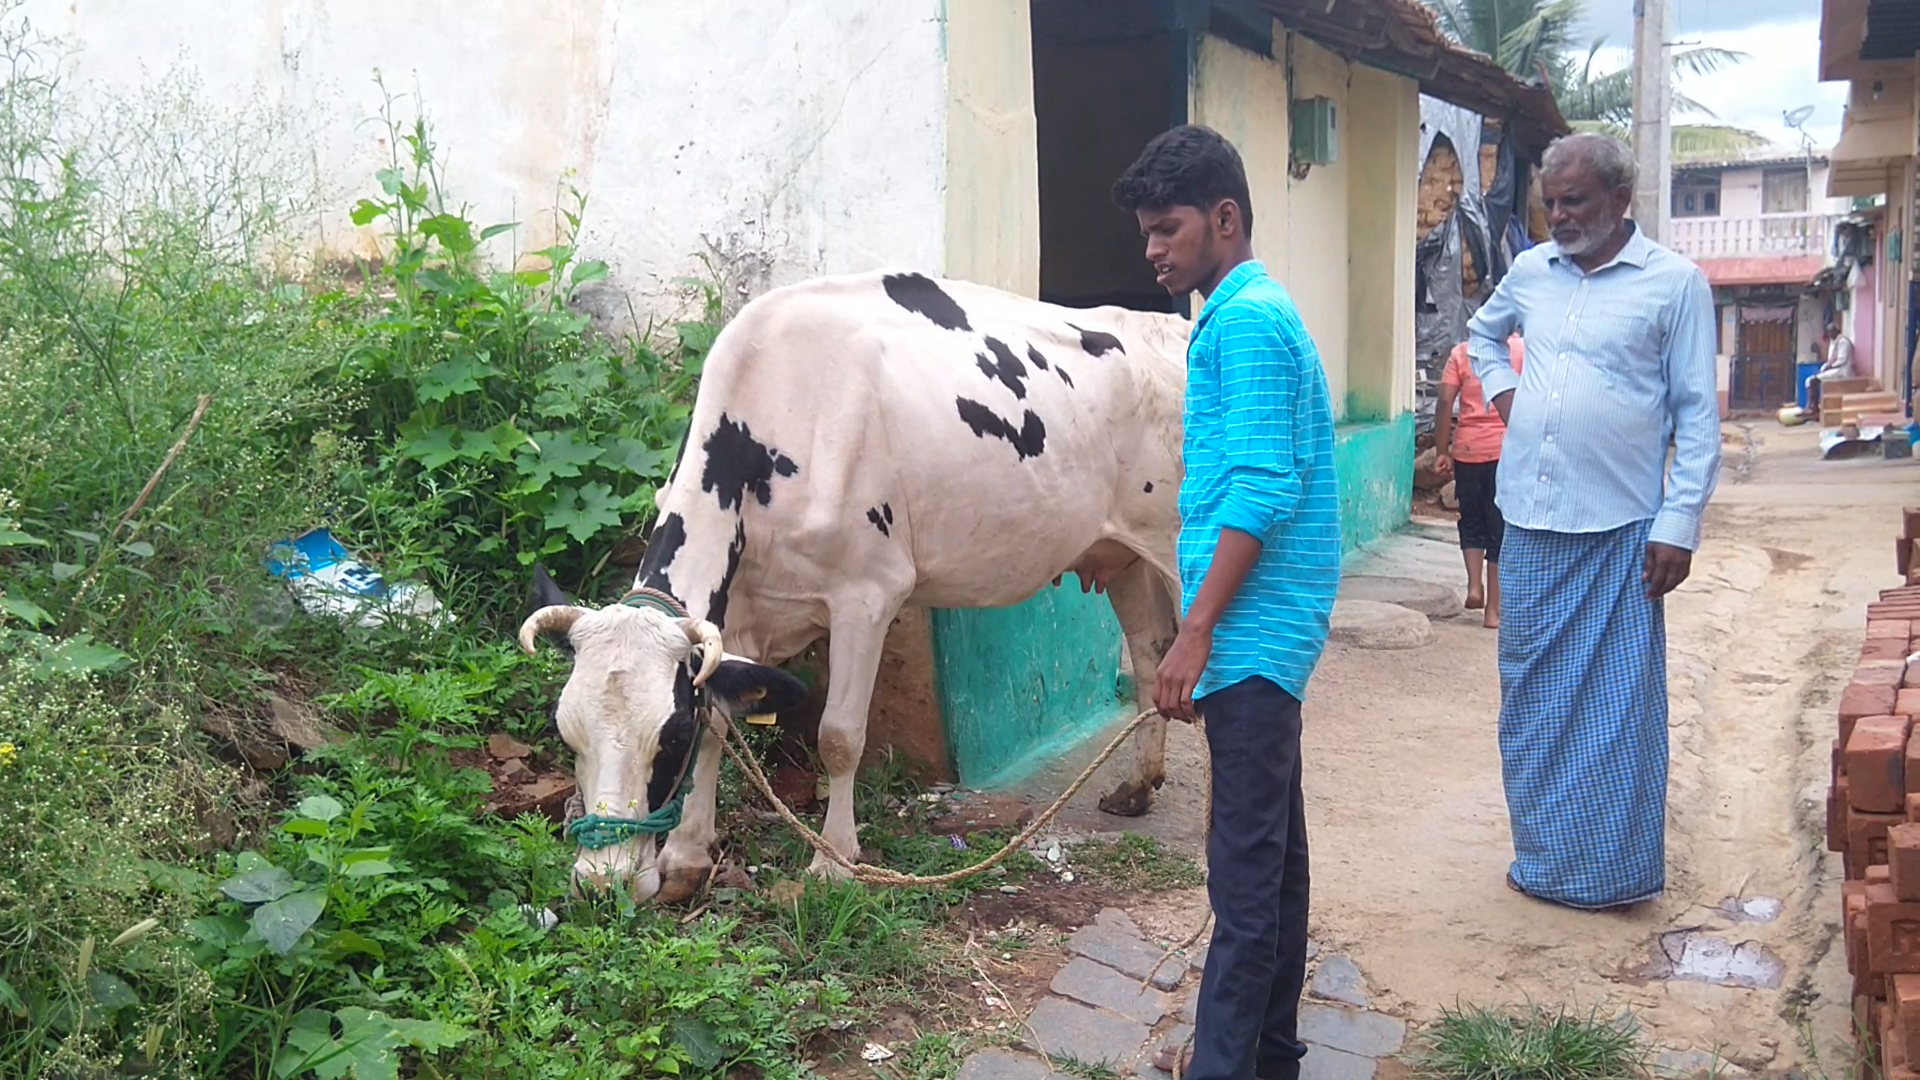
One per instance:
(1020,686)
(1023,684)
(1375,465)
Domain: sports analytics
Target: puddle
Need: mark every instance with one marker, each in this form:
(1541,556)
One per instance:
(1696,956)
(1753,909)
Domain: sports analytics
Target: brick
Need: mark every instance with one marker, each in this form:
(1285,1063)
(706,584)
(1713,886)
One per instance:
(1902,556)
(1893,1052)
(1369,1034)
(1893,933)
(1880,875)
(1903,861)
(1338,979)
(1861,700)
(1002,1064)
(1907,702)
(1913,806)
(1867,839)
(1837,817)
(1058,1028)
(1101,986)
(1896,629)
(1880,672)
(1912,678)
(1116,948)
(1877,764)
(1853,923)
(1903,998)
(1884,649)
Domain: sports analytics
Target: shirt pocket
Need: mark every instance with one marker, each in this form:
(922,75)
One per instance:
(1624,339)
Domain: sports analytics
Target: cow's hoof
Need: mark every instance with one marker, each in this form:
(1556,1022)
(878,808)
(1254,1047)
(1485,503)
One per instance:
(1131,799)
(827,870)
(681,883)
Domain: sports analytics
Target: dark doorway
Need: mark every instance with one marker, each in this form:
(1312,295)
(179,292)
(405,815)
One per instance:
(1108,75)
(1762,375)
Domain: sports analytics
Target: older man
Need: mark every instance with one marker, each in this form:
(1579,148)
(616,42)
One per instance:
(1600,527)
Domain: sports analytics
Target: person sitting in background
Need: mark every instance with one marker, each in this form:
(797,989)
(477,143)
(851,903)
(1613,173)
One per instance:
(1837,364)
(1469,451)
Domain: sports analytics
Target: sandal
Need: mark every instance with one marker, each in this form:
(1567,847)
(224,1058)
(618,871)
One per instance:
(1177,1060)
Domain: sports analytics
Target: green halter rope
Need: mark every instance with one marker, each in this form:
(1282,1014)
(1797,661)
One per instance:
(596,831)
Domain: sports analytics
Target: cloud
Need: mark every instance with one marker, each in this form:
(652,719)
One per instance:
(1781,74)
(1614,18)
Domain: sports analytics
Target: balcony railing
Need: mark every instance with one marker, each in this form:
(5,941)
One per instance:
(1734,238)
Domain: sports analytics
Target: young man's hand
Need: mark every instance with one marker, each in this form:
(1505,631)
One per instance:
(1667,567)
(1180,672)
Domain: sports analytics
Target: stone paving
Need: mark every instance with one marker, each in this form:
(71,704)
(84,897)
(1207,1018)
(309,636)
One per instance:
(1098,1014)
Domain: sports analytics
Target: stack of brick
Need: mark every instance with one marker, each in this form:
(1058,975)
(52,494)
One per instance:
(1873,821)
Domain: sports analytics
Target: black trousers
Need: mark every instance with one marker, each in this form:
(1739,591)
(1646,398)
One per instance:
(1481,526)
(1248,1013)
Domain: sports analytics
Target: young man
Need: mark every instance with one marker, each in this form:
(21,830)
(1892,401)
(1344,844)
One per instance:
(1259,559)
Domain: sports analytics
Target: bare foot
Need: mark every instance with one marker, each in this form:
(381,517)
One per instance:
(1476,600)
(1492,621)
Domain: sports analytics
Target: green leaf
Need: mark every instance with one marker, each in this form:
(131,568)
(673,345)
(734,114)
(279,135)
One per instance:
(320,808)
(630,455)
(696,336)
(138,548)
(501,440)
(429,1035)
(559,454)
(305,827)
(371,868)
(455,233)
(25,610)
(81,534)
(284,921)
(532,279)
(221,930)
(10,999)
(344,943)
(78,655)
(64,570)
(585,511)
(311,1047)
(16,538)
(110,992)
(450,378)
(259,885)
(432,446)
(492,231)
(699,1040)
(590,271)
(391,180)
(366,212)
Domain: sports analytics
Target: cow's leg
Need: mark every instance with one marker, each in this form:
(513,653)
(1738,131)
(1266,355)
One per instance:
(854,642)
(687,857)
(1144,603)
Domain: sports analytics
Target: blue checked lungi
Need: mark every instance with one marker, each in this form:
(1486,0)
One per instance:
(1583,716)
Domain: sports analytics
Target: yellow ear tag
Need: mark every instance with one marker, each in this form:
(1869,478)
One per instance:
(765,719)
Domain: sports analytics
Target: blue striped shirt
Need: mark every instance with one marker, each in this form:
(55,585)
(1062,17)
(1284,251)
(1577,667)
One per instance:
(1259,459)
(1619,367)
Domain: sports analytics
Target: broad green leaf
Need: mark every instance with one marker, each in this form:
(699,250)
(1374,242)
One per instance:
(25,610)
(633,456)
(361,855)
(584,511)
(81,534)
(372,868)
(16,538)
(432,447)
(311,1047)
(561,454)
(64,570)
(344,943)
(320,807)
(454,232)
(110,992)
(502,440)
(451,378)
(492,231)
(260,885)
(283,922)
(176,880)
(587,272)
(428,1034)
(138,548)
(533,279)
(10,999)
(699,1040)
(696,336)
(391,180)
(78,655)
(366,212)
(221,930)
(305,827)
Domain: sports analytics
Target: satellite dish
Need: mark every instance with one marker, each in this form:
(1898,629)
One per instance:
(1798,116)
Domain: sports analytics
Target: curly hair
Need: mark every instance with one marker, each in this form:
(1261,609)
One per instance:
(1187,166)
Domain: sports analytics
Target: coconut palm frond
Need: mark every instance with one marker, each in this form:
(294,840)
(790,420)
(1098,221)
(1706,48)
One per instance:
(1706,60)
(1708,141)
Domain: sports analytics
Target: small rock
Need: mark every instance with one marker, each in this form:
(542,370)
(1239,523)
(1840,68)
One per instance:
(1449,497)
(1099,985)
(874,1052)
(998,1064)
(1012,890)
(299,727)
(1054,854)
(505,747)
(516,770)
(1338,979)
(1118,920)
(1370,624)
(1429,599)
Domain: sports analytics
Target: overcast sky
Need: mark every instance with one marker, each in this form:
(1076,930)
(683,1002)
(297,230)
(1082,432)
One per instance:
(1782,37)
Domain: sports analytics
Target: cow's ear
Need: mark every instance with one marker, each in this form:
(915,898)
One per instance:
(743,688)
(547,593)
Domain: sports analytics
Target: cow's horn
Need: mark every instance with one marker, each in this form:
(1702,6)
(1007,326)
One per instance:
(556,619)
(707,637)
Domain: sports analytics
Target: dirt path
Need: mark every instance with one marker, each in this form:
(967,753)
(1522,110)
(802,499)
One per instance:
(1409,823)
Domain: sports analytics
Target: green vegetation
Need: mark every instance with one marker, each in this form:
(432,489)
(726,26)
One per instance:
(1135,862)
(167,911)
(1532,1044)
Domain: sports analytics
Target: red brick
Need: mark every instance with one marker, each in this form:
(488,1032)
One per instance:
(1913,769)
(1912,677)
(1893,1050)
(1839,762)
(1898,591)
(1877,765)
(1903,861)
(1880,672)
(1880,875)
(1902,556)
(1893,933)
(1860,700)
(1853,898)
(1890,629)
(1913,806)
(1867,840)
(1903,997)
(1837,816)
(1884,649)
(1906,703)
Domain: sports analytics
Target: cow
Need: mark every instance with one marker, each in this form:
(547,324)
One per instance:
(860,443)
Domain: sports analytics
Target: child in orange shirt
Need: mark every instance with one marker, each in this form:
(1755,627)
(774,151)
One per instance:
(1470,452)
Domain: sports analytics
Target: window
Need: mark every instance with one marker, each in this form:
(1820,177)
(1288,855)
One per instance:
(1710,202)
(1784,191)
(1696,195)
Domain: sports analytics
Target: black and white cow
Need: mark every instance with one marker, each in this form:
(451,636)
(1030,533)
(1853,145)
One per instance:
(858,444)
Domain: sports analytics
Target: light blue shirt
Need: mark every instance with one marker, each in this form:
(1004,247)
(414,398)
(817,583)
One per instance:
(1619,365)
(1259,459)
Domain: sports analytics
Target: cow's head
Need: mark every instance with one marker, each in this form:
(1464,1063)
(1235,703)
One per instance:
(632,711)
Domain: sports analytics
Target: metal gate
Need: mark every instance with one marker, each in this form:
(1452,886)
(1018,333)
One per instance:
(1762,374)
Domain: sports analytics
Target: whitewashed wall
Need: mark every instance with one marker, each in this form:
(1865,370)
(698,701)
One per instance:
(790,137)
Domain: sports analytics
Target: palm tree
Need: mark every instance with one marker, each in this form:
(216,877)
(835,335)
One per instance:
(1537,39)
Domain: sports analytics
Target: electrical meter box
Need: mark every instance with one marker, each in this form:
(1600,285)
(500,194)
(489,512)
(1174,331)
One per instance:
(1316,133)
